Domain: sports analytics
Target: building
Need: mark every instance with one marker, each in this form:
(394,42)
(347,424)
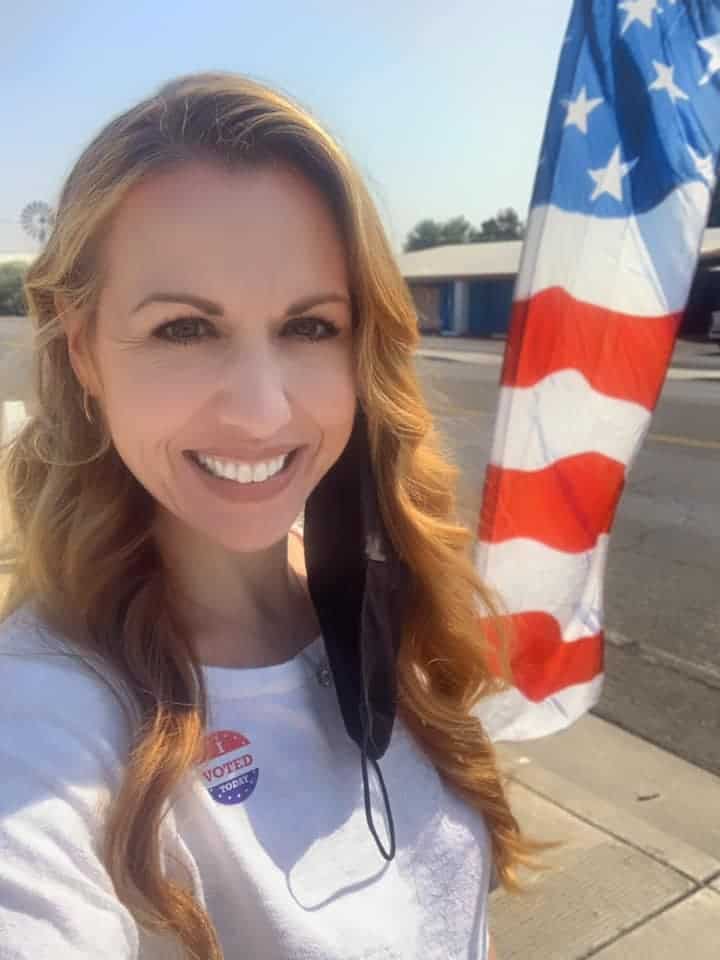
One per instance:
(466,289)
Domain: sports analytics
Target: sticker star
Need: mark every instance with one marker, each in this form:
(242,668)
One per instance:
(703,165)
(711,46)
(641,10)
(609,179)
(665,80)
(579,110)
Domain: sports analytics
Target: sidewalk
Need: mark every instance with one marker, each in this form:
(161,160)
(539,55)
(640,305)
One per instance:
(639,876)
(692,360)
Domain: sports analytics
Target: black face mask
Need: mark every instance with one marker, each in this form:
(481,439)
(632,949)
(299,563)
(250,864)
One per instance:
(358,586)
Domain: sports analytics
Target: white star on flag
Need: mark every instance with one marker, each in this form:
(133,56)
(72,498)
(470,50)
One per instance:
(703,165)
(641,10)
(711,45)
(665,80)
(579,109)
(609,179)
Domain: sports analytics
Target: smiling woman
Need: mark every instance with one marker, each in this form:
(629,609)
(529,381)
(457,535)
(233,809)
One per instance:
(267,371)
(213,695)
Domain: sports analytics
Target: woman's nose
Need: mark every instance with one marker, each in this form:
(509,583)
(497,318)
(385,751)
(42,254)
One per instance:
(252,392)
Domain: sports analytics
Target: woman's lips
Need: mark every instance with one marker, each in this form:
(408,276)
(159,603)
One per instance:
(253,492)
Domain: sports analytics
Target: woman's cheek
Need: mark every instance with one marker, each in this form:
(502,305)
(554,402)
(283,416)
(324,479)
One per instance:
(327,394)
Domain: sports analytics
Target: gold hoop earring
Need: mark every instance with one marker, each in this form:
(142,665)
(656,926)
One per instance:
(85,407)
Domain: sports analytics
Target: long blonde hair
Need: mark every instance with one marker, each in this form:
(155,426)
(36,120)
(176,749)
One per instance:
(80,522)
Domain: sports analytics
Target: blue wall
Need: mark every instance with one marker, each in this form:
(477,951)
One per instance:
(447,304)
(489,306)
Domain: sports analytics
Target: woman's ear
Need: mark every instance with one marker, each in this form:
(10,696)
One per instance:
(74,325)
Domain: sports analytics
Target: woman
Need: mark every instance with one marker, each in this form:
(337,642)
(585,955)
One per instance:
(190,691)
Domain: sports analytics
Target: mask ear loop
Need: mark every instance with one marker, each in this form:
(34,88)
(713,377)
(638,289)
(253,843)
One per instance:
(375,554)
(386,854)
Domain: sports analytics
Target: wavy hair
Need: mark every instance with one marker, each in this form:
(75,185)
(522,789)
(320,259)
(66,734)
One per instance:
(80,523)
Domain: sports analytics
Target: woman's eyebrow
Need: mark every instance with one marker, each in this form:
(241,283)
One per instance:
(207,306)
(215,309)
(315,300)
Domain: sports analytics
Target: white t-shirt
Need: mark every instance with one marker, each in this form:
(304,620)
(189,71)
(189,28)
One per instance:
(270,832)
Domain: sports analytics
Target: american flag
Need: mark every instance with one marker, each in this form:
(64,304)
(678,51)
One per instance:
(621,197)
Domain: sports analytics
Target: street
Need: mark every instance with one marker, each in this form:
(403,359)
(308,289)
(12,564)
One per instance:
(662,588)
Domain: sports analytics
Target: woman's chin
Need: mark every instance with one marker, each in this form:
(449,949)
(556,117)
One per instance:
(248,535)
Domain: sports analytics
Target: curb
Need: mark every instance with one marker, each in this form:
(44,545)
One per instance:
(496,359)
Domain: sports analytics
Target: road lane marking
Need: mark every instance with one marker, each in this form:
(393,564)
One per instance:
(675,373)
(670,438)
(685,441)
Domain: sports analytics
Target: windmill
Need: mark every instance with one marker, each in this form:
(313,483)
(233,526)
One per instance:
(37,220)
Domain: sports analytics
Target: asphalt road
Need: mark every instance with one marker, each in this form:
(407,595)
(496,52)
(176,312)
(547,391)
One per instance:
(662,593)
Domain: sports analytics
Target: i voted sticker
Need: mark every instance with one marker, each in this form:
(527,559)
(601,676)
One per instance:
(228,768)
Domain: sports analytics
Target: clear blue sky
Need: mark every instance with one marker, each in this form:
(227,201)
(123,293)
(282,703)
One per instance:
(441,104)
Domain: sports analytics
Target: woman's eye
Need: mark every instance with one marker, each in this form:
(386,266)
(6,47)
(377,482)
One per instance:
(312,328)
(184,330)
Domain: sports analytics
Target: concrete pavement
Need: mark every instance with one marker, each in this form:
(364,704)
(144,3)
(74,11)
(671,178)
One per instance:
(692,360)
(638,877)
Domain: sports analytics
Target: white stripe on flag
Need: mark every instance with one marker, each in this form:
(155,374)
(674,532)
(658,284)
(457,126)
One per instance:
(530,576)
(562,416)
(607,262)
(511,716)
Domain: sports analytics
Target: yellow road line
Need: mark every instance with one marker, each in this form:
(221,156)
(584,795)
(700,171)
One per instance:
(660,437)
(685,441)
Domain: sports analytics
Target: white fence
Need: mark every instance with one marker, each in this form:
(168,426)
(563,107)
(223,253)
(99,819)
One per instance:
(12,416)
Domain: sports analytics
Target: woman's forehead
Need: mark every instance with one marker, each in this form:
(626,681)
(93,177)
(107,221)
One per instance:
(264,229)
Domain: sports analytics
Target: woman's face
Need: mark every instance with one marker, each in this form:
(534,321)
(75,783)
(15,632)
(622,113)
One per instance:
(223,347)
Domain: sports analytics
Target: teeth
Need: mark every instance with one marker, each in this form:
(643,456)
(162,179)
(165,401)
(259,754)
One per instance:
(242,472)
(260,471)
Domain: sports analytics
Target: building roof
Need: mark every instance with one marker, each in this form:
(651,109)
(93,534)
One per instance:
(464,260)
(459,260)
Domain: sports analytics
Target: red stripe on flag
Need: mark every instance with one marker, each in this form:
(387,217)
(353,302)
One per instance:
(620,355)
(566,506)
(542,664)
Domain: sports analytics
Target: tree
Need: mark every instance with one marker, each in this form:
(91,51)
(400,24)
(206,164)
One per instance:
(432,233)
(12,297)
(505,225)
(427,233)
(456,230)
